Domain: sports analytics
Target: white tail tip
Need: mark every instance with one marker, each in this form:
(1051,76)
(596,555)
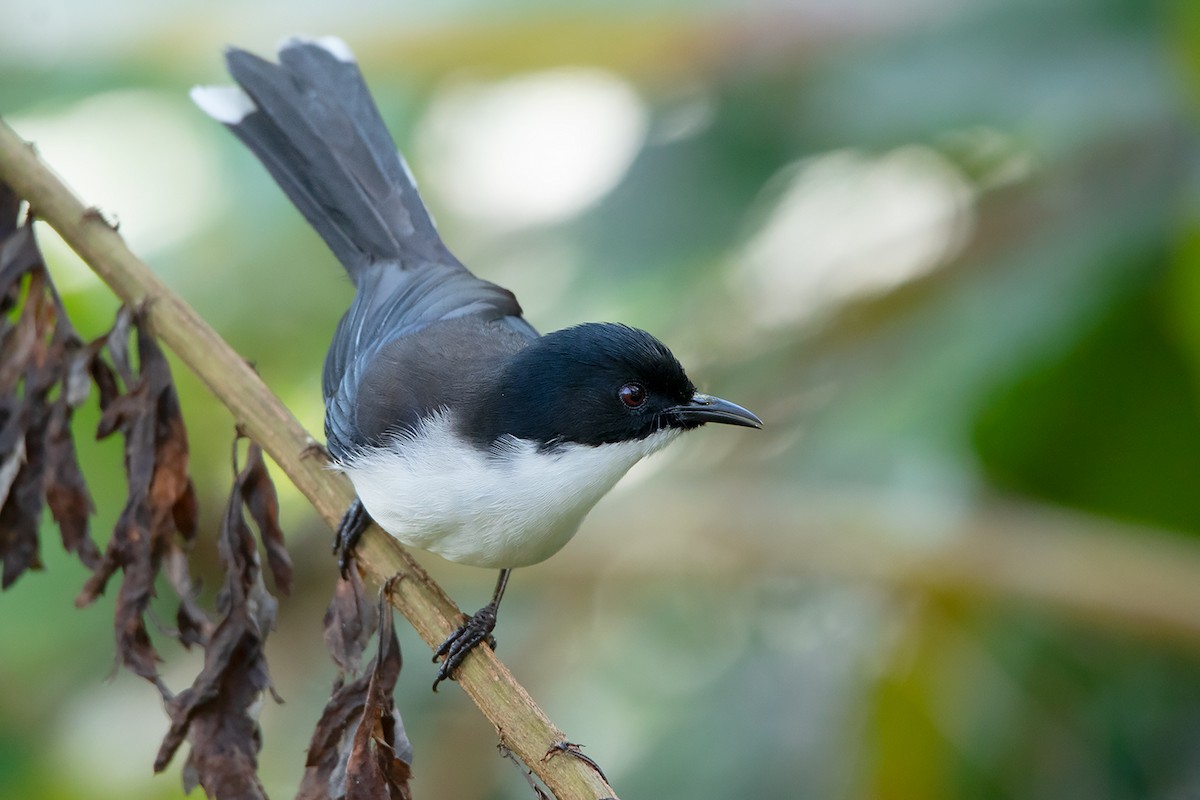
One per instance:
(228,104)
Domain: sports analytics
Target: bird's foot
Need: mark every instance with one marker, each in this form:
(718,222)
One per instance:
(349,531)
(471,633)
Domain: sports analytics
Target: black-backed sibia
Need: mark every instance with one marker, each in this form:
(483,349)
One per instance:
(464,431)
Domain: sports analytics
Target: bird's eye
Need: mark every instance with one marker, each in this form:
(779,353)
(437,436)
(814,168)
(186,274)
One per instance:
(633,395)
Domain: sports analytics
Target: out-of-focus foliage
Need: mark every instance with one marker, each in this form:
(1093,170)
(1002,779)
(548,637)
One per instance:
(950,252)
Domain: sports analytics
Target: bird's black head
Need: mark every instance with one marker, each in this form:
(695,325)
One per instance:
(594,384)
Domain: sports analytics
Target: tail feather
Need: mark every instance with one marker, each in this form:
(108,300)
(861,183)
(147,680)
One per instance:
(311,121)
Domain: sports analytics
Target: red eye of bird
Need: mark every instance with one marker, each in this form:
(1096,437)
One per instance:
(633,395)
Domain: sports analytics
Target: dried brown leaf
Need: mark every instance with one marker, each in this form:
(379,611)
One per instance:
(120,413)
(131,547)
(359,748)
(117,342)
(12,443)
(10,218)
(349,623)
(22,509)
(186,513)
(76,380)
(192,625)
(215,714)
(170,484)
(19,525)
(20,480)
(329,749)
(147,415)
(66,491)
(105,379)
(243,573)
(261,500)
(19,344)
(19,255)
(134,648)
(380,763)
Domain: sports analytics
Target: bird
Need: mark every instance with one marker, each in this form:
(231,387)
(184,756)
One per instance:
(464,431)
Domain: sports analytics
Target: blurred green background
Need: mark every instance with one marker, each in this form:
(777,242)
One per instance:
(949,251)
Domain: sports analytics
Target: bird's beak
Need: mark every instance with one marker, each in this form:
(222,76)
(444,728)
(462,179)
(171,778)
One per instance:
(704,408)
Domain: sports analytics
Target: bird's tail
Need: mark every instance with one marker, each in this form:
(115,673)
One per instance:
(311,121)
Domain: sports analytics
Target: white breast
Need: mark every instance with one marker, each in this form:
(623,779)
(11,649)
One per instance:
(512,507)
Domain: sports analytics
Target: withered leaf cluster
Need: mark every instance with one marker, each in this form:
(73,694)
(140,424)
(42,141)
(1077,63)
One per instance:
(360,748)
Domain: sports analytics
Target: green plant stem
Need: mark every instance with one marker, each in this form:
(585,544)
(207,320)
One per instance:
(522,726)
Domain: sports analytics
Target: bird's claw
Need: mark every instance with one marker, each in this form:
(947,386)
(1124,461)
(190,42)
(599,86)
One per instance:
(350,530)
(471,633)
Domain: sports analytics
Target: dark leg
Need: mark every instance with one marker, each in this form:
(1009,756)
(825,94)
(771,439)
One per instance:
(350,530)
(475,630)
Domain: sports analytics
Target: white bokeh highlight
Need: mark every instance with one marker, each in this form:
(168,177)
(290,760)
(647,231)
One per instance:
(139,157)
(846,225)
(534,149)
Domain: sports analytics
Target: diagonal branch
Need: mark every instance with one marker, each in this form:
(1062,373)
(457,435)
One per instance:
(522,726)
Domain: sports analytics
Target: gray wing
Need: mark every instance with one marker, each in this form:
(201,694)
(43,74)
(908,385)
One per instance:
(449,363)
(402,323)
